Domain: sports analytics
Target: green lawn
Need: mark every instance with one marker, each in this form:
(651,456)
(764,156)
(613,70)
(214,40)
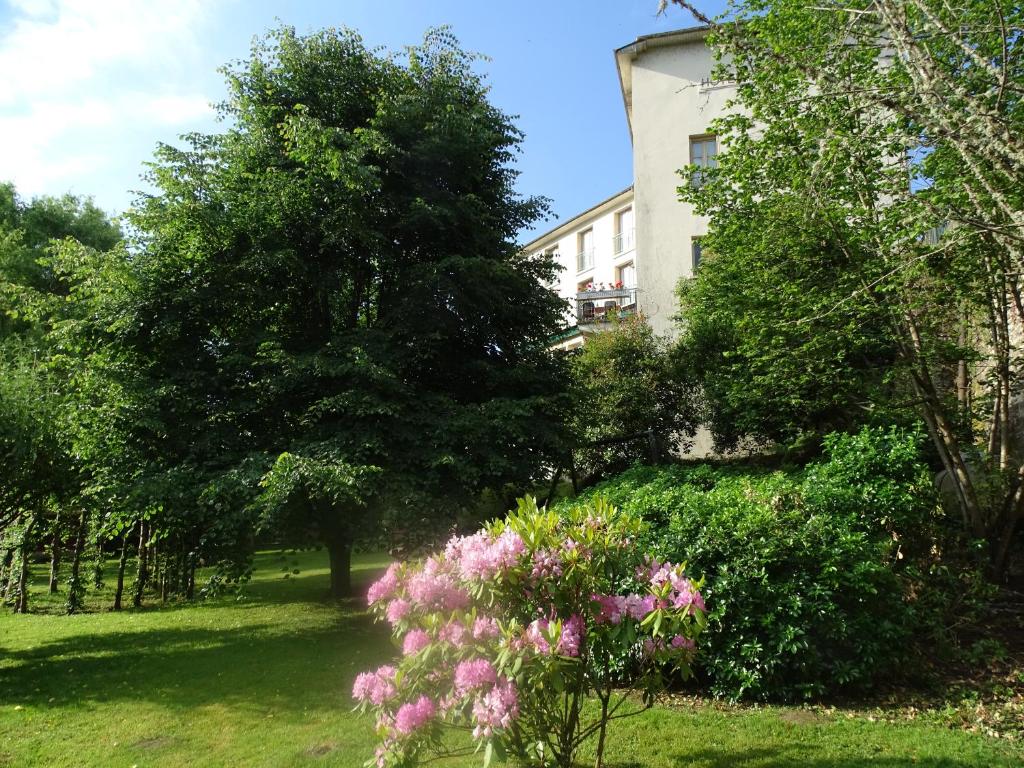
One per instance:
(265,682)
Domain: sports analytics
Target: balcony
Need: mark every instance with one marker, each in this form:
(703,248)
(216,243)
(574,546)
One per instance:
(622,242)
(602,305)
(585,260)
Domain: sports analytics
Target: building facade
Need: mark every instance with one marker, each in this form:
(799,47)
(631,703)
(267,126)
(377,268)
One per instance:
(597,253)
(628,253)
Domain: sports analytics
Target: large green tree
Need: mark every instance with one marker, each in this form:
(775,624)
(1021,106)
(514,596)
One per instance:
(877,144)
(45,426)
(335,278)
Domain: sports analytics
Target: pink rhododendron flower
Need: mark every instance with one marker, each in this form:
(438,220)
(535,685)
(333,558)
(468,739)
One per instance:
(473,674)
(685,593)
(572,636)
(535,636)
(409,717)
(481,556)
(680,642)
(375,687)
(454,633)
(496,709)
(485,628)
(415,641)
(397,610)
(637,607)
(546,564)
(435,590)
(385,586)
(610,608)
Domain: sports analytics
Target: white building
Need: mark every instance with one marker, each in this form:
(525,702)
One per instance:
(597,252)
(629,252)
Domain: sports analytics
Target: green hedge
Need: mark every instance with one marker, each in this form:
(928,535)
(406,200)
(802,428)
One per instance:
(808,572)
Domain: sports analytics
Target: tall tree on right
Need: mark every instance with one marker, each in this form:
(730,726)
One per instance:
(887,136)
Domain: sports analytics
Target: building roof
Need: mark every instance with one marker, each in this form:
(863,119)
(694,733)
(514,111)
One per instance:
(570,224)
(625,55)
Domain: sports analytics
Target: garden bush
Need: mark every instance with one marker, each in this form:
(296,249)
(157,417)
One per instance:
(507,633)
(811,573)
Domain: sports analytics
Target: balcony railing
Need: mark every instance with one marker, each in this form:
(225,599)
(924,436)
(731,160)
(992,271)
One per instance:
(622,242)
(584,259)
(604,305)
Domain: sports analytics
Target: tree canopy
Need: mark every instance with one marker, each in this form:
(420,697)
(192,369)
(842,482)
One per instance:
(865,247)
(334,280)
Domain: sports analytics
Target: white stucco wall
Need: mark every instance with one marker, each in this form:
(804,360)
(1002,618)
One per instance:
(565,237)
(668,106)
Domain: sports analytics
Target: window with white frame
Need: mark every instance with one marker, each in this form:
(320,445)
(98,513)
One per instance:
(585,250)
(703,154)
(622,241)
(695,255)
(626,274)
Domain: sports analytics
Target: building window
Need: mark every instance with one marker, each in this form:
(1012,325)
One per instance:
(695,255)
(585,250)
(622,241)
(626,274)
(703,154)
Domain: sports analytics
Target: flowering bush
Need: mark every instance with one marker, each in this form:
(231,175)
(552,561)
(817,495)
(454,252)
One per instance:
(507,632)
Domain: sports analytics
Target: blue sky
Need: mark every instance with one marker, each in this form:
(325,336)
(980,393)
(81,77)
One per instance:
(91,86)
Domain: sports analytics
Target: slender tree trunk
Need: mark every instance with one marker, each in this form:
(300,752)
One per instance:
(76,590)
(55,555)
(121,563)
(140,578)
(599,761)
(339,548)
(6,573)
(21,597)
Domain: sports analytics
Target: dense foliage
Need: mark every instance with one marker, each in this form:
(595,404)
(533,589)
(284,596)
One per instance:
(865,246)
(630,405)
(809,573)
(509,630)
(334,281)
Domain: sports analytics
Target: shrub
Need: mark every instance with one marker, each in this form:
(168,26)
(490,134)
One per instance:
(624,384)
(807,571)
(507,631)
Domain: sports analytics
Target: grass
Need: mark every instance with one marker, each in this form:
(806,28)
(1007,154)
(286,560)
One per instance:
(264,681)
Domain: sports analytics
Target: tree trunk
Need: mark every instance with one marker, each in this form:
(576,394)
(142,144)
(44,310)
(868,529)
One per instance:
(340,550)
(76,590)
(55,555)
(21,597)
(121,563)
(140,579)
(6,573)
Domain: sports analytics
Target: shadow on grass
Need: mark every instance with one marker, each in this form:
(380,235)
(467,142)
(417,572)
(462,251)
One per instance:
(796,755)
(256,665)
(308,663)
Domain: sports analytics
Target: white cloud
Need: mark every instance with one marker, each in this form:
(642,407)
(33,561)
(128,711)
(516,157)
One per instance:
(82,77)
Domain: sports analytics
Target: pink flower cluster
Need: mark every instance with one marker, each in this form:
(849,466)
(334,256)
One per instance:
(474,674)
(454,633)
(678,643)
(375,687)
(569,641)
(546,564)
(434,589)
(482,556)
(682,594)
(385,587)
(415,641)
(572,636)
(415,715)
(613,608)
(485,628)
(495,709)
